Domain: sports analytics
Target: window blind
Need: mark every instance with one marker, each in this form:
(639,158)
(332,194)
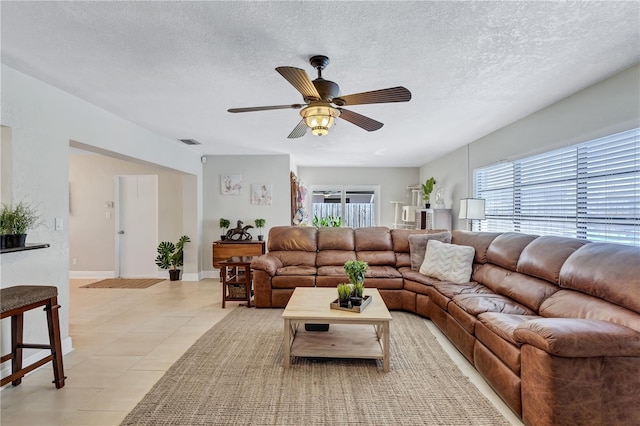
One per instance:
(590,191)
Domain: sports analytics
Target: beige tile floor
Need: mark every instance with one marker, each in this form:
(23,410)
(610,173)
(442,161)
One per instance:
(124,341)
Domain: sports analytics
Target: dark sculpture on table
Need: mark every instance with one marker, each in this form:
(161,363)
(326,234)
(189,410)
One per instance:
(239,233)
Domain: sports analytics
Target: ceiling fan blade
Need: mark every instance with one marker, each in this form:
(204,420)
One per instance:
(368,124)
(299,131)
(266,108)
(392,94)
(300,80)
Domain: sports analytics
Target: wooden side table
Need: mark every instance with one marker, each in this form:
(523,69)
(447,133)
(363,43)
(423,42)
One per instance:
(235,275)
(222,250)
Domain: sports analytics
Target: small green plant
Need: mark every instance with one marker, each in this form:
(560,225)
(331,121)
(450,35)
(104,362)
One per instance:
(224,223)
(358,289)
(170,255)
(344,291)
(260,224)
(327,221)
(355,270)
(427,188)
(18,219)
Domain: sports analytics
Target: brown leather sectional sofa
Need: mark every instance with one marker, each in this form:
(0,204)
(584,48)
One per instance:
(552,323)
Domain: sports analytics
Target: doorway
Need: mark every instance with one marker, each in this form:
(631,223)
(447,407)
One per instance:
(136,223)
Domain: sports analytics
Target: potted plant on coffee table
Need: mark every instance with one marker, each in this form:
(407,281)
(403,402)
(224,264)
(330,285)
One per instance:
(355,270)
(170,256)
(224,225)
(260,224)
(344,294)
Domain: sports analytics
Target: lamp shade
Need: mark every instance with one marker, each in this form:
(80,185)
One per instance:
(471,208)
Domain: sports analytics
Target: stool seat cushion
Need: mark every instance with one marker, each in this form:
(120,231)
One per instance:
(23,295)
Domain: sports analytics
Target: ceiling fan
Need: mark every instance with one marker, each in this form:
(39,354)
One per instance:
(323,102)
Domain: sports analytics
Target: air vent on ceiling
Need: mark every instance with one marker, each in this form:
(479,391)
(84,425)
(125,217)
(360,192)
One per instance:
(189,141)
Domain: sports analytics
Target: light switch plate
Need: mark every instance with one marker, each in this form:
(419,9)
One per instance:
(58,224)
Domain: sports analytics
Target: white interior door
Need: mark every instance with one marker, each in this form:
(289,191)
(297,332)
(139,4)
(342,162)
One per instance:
(136,226)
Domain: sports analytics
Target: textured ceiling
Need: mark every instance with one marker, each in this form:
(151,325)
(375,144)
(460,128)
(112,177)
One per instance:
(176,67)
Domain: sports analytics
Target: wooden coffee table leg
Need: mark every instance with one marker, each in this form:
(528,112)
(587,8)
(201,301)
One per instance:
(287,344)
(385,350)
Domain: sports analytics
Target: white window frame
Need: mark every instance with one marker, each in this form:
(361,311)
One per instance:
(344,188)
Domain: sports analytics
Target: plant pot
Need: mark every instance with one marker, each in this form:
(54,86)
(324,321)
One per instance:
(427,205)
(356,300)
(223,237)
(260,237)
(15,240)
(3,241)
(344,303)
(174,274)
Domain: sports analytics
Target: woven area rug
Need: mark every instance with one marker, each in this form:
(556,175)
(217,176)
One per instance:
(233,375)
(124,283)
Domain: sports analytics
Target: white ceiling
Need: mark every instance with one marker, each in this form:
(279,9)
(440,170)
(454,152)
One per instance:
(176,67)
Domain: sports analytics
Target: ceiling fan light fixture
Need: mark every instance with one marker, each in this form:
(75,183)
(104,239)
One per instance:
(319,117)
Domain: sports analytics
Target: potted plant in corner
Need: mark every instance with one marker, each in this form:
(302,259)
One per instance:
(170,256)
(224,224)
(260,224)
(427,187)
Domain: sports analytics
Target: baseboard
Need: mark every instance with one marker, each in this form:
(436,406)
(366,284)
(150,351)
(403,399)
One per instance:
(92,274)
(67,347)
(192,276)
(210,274)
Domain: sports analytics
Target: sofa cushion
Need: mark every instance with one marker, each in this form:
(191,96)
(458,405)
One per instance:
(418,246)
(373,239)
(480,241)
(505,249)
(292,238)
(573,304)
(336,239)
(606,271)
(544,257)
(448,262)
(476,304)
(377,258)
(382,272)
(504,325)
(334,257)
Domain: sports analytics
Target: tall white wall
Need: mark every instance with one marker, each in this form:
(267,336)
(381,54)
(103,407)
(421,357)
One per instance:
(257,169)
(393,183)
(608,107)
(43,121)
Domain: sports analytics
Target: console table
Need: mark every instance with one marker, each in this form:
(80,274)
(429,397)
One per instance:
(222,250)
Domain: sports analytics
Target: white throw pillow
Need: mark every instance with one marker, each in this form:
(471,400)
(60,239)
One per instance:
(448,262)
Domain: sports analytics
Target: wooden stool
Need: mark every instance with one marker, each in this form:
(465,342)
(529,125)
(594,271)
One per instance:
(15,301)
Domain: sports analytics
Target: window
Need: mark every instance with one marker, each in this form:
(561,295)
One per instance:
(590,191)
(354,205)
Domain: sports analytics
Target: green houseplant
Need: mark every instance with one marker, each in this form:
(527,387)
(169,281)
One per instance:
(344,293)
(170,256)
(224,225)
(355,270)
(427,188)
(260,224)
(327,221)
(15,221)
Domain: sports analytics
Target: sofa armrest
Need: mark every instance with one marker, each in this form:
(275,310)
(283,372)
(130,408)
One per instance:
(268,264)
(569,337)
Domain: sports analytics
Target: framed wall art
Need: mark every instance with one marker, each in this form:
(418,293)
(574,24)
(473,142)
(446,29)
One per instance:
(230,184)
(261,193)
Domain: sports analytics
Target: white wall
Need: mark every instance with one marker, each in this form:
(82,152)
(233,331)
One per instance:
(608,107)
(258,169)
(43,121)
(91,185)
(393,183)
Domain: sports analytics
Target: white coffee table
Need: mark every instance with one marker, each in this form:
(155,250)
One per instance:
(351,335)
